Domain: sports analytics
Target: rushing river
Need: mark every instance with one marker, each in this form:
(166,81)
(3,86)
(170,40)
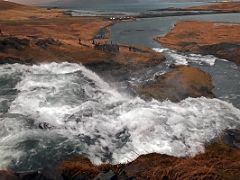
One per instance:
(50,111)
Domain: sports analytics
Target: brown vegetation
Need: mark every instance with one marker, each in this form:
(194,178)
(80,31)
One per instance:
(54,37)
(225,6)
(219,39)
(178,84)
(218,162)
(13,11)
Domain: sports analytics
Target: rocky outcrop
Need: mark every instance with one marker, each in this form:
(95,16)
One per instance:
(44,174)
(219,39)
(13,60)
(13,43)
(39,50)
(178,84)
(45,43)
(223,50)
(231,137)
(107,47)
(8,175)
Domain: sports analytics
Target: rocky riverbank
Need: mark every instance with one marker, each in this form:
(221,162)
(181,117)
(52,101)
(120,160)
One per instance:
(219,39)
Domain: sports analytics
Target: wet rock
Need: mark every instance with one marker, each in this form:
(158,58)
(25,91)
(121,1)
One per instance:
(45,43)
(45,126)
(13,60)
(107,47)
(227,51)
(178,84)
(110,175)
(231,137)
(45,174)
(123,176)
(6,175)
(142,167)
(14,43)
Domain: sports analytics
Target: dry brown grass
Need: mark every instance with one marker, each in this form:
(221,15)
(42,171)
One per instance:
(201,33)
(178,84)
(13,11)
(219,162)
(219,39)
(79,166)
(228,6)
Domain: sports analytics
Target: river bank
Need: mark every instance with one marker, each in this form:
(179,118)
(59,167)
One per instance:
(56,37)
(206,9)
(215,8)
(199,37)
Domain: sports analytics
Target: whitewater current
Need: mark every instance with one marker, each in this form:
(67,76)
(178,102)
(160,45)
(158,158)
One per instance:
(53,110)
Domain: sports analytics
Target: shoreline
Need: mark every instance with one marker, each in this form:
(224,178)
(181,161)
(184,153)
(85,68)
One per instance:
(214,8)
(202,37)
(184,14)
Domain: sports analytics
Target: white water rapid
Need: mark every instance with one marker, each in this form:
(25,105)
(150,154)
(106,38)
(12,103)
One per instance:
(50,110)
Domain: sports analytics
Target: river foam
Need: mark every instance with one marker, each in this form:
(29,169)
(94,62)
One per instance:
(185,59)
(66,109)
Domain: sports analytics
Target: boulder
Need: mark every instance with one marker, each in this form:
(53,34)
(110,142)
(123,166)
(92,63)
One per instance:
(112,48)
(178,84)
(231,137)
(14,43)
(110,175)
(45,174)
(45,43)
(227,51)
(7,175)
(13,60)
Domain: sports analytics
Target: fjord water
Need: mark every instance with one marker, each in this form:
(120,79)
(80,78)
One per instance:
(51,111)
(129,7)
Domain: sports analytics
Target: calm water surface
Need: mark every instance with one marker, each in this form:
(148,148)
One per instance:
(142,31)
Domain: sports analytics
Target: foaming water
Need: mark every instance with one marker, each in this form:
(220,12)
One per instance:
(65,109)
(185,59)
(221,71)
